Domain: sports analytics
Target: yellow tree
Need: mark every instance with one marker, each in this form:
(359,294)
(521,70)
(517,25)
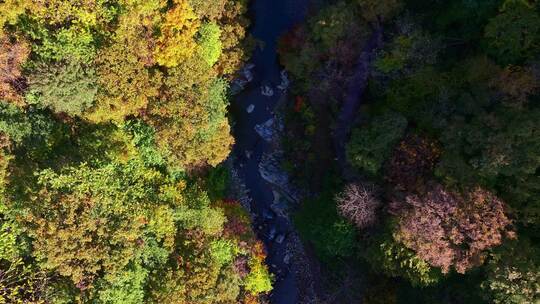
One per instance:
(176,42)
(126,85)
(190,119)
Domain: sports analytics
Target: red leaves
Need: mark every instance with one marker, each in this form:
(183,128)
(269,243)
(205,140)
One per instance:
(299,103)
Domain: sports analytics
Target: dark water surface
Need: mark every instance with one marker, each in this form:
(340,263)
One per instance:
(270,19)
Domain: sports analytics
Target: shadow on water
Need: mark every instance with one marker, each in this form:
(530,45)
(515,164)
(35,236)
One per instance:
(271,18)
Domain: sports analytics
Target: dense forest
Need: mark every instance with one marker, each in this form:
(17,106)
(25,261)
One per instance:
(113,118)
(416,124)
(409,130)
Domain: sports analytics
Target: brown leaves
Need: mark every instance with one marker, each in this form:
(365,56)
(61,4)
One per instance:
(13,53)
(412,160)
(517,84)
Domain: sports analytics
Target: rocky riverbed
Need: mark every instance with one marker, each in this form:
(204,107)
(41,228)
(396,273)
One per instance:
(258,179)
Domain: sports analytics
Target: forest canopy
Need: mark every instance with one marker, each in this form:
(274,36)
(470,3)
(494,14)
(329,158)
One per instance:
(113,115)
(440,169)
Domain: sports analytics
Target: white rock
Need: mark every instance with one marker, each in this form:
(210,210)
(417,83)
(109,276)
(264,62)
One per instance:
(250,108)
(285,82)
(246,72)
(272,233)
(248,75)
(287,258)
(266,130)
(267,91)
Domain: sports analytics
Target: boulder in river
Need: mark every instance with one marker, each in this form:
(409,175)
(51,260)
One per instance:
(279,206)
(266,130)
(270,129)
(272,233)
(267,91)
(271,171)
(250,108)
(287,258)
(268,214)
(285,82)
(245,76)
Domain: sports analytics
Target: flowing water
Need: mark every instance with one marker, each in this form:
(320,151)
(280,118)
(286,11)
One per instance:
(270,19)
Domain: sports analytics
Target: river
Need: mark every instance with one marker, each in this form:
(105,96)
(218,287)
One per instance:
(270,19)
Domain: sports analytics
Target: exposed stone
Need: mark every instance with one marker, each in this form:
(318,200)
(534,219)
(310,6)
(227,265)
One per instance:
(285,82)
(238,189)
(268,214)
(271,171)
(267,91)
(287,258)
(266,130)
(245,76)
(250,108)
(279,206)
(280,238)
(272,233)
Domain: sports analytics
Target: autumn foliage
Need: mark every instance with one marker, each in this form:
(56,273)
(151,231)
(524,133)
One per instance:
(12,82)
(106,109)
(451,230)
(411,162)
(359,204)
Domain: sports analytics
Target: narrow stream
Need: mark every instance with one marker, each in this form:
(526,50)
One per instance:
(270,19)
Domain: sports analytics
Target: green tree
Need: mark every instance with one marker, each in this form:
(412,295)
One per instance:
(373,10)
(394,259)
(514,34)
(372,144)
(513,274)
(70,88)
(86,221)
(210,43)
